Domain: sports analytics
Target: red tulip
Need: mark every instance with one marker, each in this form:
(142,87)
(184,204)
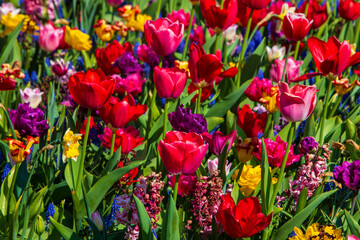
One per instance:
(296,26)
(243,15)
(204,68)
(91,89)
(250,122)
(349,9)
(244,219)
(126,138)
(218,141)
(296,103)
(182,153)
(118,113)
(218,18)
(315,12)
(106,57)
(169,82)
(163,36)
(205,93)
(332,56)
(7,83)
(257,4)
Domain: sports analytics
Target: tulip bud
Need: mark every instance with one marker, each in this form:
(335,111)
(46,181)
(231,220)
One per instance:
(96,218)
(296,26)
(39,225)
(349,9)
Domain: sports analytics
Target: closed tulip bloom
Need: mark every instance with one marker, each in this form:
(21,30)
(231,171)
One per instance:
(91,89)
(132,84)
(96,218)
(50,37)
(349,9)
(244,219)
(186,184)
(257,4)
(218,141)
(218,18)
(117,113)
(292,69)
(163,36)
(182,153)
(296,103)
(169,82)
(114,3)
(315,12)
(296,26)
(32,96)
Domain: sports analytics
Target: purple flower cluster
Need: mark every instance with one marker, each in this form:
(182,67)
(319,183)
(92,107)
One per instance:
(205,204)
(183,120)
(348,174)
(307,145)
(148,191)
(310,174)
(28,121)
(128,64)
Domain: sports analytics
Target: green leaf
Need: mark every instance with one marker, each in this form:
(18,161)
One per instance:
(310,126)
(171,222)
(94,228)
(302,200)
(65,232)
(102,186)
(151,10)
(350,129)
(253,62)
(112,162)
(299,218)
(212,122)
(10,42)
(145,223)
(266,182)
(354,225)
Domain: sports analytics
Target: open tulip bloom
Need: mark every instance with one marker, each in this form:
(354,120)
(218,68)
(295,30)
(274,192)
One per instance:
(180,119)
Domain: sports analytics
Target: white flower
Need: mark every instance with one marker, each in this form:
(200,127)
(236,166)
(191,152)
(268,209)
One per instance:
(32,96)
(6,8)
(275,52)
(230,33)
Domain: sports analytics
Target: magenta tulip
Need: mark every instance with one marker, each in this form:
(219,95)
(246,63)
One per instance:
(163,36)
(292,69)
(218,141)
(169,82)
(296,103)
(50,37)
(182,153)
(114,3)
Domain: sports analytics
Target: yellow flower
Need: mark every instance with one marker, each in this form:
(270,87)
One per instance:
(71,145)
(183,65)
(342,86)
(139,23)
(128,12)
(12,21)
(317,232)
(269,101)
(77,39)
(103,31)
(121,28)
(249,179)
(18,151)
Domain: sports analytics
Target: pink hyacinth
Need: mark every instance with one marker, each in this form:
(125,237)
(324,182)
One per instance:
(292,69)
(37,9)
(276,151)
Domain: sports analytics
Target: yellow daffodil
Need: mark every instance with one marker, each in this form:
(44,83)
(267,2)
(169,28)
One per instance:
(316,231)
(139,23)
(19,151)
(12,21)
(103,31)
(77,39)
(71,145)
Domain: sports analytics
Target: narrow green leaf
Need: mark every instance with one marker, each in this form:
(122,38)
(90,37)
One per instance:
(145,223)
(302,200)
(65,232)
(10,42)
(266,182)
(171,222)
(354,226)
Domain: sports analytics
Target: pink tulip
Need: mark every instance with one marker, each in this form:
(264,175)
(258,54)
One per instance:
(182,153)
(132,84)
(50,37)
(182,17)
(292,69)
(218,141)
(114,3)
(296,103)
(352,237)
(163,36)
(169,82)
(96,218)
(213,165)
(32,96)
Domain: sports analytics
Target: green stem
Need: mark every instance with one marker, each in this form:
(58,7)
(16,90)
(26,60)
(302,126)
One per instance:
(357,30)
(198,102)
(222,4)
(336,106)
(243,49)
(225,52)
(324,113)
(83,153)
(113,14)
(217,42)
(296,50)
(158,9)
(354,203)
(112,143)
(284,70)
(268,126)
(165,116)
(177,177)
(174,5)
(283,164)
(188,33)
(10,193)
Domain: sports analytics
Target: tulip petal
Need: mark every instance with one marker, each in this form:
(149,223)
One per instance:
(292,107)
(193,160)
(171,157)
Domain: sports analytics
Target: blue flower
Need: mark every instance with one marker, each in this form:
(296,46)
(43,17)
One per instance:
(50,212)
(6,171)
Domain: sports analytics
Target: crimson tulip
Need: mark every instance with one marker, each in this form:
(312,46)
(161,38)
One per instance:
(257,4)
(315,12)
(218,18)
(7,83)
(296,26)
(205,68)
(218,141)
(118,113)
(243,15)
(169,82)
(163,36)
(182,153)
(250,122)
(296,103)
(349,9)
(205,93)
(106,57)
(91,89)
(244,219)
